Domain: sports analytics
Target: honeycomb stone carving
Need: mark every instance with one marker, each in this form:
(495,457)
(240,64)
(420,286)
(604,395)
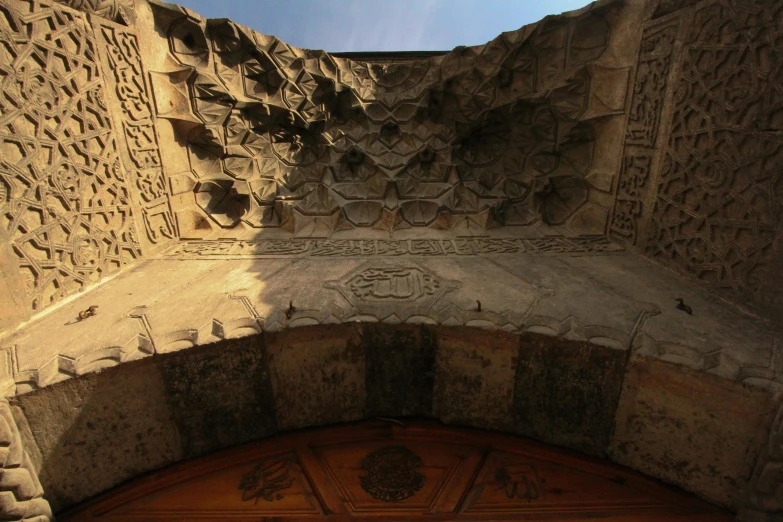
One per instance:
(223,201)
(65,208)
(499,136)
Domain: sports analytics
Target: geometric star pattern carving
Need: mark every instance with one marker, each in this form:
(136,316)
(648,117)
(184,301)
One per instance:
(64,204)
(718,206)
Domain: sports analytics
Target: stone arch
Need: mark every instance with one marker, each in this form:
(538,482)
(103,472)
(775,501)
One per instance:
(88,434)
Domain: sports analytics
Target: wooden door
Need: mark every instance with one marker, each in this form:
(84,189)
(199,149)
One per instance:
(384,471)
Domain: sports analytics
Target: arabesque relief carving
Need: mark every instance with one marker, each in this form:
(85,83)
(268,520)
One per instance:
(269,479)
(121,11)
(519,481)
(385,285)
(391,473)
(306,144)
(64,204)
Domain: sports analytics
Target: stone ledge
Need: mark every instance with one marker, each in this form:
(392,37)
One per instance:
(615,300)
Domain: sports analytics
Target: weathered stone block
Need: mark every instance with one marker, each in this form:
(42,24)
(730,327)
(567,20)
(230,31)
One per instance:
(694,430)
(97,431)
(400,370)
(474,377)
(220,395)
(318,375)
(566,393)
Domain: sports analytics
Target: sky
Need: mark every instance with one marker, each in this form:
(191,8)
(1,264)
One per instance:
(382,25)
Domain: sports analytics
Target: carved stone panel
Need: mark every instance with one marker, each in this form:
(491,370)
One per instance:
(717,213)
(121,11)
(377,286)
(21,494)
(124,72)
(392,248)
(644,121)
(64,203)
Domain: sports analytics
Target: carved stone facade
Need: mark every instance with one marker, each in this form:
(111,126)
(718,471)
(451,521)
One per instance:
(525,188)
(122,11)
(717,214)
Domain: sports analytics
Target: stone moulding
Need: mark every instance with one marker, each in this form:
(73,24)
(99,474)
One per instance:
(63,367)
(766,487)
(390,310)
(643,128)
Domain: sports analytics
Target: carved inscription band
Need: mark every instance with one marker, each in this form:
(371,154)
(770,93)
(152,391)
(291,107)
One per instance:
(377,247)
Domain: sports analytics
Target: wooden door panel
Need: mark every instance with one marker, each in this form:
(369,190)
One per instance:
(269,487)
(380,472)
